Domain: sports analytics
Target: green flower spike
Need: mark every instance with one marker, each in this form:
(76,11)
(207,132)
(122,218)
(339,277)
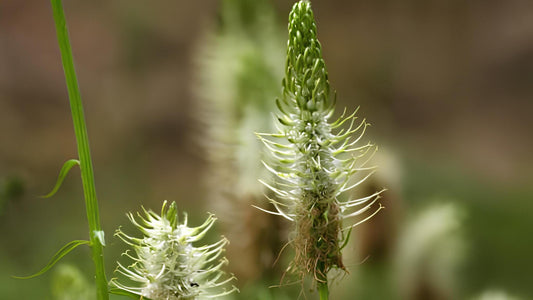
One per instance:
(167,265)
(315,161)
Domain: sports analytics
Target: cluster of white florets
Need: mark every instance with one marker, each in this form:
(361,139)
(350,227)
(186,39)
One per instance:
(167,265)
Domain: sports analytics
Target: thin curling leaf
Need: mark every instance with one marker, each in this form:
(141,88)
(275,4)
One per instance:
(167,266)
(313,160)
(59,254)
(62,174)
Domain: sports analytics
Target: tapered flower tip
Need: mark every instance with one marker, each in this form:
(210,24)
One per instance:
(302,18)
(302,33)
(306,78)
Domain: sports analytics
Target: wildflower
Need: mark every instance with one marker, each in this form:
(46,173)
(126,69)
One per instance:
(167,264)
(314,160)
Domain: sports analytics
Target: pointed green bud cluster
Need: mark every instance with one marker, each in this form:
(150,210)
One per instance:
(166,263)
(314,160)
(306,79)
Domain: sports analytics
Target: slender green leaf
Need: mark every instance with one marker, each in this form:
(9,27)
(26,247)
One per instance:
(59,254)
(62,174)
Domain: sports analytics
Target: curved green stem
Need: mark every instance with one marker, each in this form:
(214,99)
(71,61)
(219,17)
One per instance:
(87,176)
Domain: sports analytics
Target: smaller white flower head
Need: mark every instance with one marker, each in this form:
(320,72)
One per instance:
(167,265)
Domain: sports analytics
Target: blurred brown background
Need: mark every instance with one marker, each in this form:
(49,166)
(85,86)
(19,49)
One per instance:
(447,86)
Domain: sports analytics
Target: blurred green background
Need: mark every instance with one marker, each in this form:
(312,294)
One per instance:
(447,86)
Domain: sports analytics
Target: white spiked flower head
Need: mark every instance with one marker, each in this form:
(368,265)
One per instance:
(315,161)
(166,263)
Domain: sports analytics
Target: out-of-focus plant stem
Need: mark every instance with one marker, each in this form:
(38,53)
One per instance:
(323,291)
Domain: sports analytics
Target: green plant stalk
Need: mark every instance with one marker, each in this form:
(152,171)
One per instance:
(323,291)
(322,281)
(86,167)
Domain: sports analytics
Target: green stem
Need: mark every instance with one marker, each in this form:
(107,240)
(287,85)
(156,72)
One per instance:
(323,290)
(86,167)
(322,281)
